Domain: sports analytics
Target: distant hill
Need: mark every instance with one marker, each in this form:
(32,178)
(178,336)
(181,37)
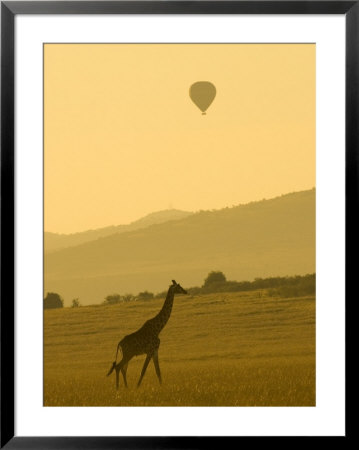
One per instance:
(273,237)
(57,241)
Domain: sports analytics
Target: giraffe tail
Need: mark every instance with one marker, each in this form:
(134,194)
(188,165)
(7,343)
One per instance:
(112,369)
(115,362)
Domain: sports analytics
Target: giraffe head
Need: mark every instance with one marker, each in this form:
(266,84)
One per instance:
(178,289)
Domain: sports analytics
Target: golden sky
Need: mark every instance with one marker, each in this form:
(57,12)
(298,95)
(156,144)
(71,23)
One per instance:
(123,138)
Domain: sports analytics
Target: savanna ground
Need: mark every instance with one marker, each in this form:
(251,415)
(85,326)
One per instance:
(227,349)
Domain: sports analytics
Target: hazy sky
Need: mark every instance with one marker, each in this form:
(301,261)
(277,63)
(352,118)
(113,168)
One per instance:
(123,138)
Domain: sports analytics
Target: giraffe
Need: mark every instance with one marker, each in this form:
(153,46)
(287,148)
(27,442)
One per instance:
(145,340)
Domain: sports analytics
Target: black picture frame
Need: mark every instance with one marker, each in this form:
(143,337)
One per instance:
(9,10)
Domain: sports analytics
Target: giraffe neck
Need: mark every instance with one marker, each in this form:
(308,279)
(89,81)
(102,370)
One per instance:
(162,317)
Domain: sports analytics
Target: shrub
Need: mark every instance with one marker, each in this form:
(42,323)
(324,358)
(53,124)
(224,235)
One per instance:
(145,295)
(112,299)
(214,278)
(128,298)
(75,303)
(53,301)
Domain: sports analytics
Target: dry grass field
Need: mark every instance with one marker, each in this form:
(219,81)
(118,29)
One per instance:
(227,349)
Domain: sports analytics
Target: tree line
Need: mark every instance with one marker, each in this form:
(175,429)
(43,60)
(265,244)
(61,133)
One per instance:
(297,285)
(215,282)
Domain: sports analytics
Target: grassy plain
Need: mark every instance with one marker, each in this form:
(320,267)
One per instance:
(227,349)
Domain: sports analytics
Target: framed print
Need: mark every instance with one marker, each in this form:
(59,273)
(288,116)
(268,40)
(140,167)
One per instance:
(178,188)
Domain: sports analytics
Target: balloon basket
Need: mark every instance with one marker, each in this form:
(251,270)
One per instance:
(204,114)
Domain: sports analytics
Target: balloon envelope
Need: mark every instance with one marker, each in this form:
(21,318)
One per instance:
(202,94)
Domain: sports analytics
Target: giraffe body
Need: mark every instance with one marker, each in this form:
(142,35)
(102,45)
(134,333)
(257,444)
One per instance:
(139,343)
(146,340)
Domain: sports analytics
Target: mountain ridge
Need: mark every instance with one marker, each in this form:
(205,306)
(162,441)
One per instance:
(56,241)
(263,238)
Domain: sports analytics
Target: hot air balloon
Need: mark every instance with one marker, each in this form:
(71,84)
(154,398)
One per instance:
(202,94)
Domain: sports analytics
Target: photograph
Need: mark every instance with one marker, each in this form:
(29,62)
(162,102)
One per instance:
(179,224)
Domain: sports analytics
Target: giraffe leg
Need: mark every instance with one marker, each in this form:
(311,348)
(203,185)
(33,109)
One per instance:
(157,366)
(148,359)
(124,371)
(118,368)
(117,378)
